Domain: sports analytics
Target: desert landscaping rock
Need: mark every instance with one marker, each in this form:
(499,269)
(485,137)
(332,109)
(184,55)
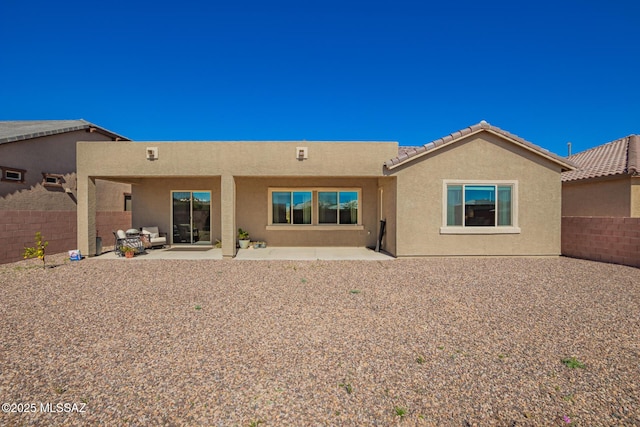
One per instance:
(434,342)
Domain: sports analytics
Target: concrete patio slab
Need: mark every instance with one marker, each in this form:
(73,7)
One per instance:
(272,253)
(170,253)
(312,253)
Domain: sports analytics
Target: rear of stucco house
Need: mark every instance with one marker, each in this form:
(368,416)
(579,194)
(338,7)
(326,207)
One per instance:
(479,191)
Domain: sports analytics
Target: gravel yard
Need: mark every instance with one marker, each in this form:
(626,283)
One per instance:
(435,342)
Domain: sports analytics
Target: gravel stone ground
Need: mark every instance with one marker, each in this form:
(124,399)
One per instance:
(434,342)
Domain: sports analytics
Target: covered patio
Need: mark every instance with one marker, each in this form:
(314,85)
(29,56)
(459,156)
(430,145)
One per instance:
(201,193)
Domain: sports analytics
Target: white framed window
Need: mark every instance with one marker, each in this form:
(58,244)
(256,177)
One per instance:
(52,179)
(12,174)
(318,208)
(480,207)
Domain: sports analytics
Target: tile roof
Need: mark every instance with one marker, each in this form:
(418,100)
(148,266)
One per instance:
(406,150)
(406,154)
(619,157)
(11,131)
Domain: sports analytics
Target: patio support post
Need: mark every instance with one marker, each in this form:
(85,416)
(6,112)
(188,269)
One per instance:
(228,215)
(86,217)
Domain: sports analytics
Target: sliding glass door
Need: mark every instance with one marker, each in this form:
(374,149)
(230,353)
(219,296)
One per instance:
(191,217)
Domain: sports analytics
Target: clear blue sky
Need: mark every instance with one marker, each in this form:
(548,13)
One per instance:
(406,71)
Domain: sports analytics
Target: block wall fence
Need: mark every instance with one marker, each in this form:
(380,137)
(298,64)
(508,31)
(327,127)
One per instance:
(59,228)
(607,239)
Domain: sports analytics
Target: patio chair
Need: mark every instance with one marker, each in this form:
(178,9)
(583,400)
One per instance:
(123,240)
(155,238)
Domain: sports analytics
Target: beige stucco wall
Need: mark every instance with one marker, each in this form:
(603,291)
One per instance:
(387,193)
(608,196)
(128,159)
(229,161)
(635,197)
(110,196)
(52,154)
(49,154)
(252,207)
(239,175)
(152,203)
(43,198)
(480,157)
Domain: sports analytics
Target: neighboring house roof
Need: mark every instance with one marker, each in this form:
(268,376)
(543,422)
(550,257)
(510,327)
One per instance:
(11,131)
(619,157)
(408,154)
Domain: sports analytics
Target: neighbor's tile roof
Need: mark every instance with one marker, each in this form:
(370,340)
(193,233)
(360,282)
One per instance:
(406,154)
(19,130)
(619,157)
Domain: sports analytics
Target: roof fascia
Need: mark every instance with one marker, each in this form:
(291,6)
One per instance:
(85,125)
(564,165)
(432,150)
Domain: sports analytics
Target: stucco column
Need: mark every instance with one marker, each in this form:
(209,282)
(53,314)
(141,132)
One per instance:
(86,215)
(228,215)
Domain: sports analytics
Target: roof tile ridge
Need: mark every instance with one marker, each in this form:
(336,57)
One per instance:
(511,135)
(633,154)
(452,136)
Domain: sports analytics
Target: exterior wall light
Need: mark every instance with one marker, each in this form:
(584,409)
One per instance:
(152,153)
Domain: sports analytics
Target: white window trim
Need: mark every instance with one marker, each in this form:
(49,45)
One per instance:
(514,228)
(19,172)
(314,226)
(7,177)
(56,177)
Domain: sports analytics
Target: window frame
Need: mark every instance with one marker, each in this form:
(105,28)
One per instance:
(6,169)
(514,228)
(315,225)
(311,220)
(337,191)
(127,198)
(56,177)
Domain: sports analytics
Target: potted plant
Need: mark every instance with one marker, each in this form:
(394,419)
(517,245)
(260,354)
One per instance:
(243,238)
(128,251)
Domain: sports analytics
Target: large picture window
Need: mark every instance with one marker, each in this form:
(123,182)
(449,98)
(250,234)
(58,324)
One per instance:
(480,205)
(337,207)
(291,207)
(315,207)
